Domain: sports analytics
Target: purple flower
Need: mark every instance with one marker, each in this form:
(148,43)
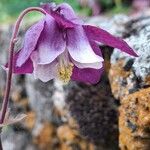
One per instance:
(60,46)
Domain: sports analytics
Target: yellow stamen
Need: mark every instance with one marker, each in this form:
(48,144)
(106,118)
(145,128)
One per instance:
(65,67)
(65,72)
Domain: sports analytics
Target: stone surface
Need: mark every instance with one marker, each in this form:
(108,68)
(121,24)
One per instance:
(95,112)
(138,36)
(134,121)
(130,83)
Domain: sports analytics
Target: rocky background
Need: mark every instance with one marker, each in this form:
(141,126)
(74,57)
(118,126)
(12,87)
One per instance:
(112,115)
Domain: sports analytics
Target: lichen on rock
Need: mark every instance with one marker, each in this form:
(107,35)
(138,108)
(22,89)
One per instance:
(130,83)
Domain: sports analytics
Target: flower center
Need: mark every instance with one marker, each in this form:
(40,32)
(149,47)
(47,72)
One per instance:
(65,67)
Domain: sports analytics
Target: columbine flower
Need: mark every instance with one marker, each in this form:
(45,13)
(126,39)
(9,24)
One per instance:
(60,46)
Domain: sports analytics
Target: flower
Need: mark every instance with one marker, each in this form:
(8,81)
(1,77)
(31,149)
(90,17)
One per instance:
(61,46)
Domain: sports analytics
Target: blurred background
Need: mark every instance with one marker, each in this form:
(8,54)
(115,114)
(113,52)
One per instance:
(9,9)
(111,115)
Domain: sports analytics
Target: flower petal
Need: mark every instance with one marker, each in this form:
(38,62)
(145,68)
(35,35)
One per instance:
(44,72)
(95,47)
(27,67)
(51,42)
(31,38)
(67,12)
(103,36)
(60,19)
(96,65)
(87,75)
(80,48)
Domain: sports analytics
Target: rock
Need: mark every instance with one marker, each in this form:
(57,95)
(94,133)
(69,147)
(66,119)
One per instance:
(17,139)
(46,137)
(130,83)
(40,98)
(134,121)
(71,139)
(139,40)
(4,42)
(95,114)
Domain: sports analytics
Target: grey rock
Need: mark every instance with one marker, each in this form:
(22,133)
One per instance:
(95,110)
(17,139)
(139,40)
(40,97)
(4,42)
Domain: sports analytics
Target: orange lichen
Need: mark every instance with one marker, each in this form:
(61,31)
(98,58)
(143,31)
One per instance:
(30,120)
(147,79)
(16,96)
(70,139)
(134,121)
(117,73)
(66,134)
(46,137)
(23,103)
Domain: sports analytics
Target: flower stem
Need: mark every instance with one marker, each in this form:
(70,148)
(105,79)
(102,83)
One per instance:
(10,63)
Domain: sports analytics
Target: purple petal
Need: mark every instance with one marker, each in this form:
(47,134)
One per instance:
(27,67)
(48,7)
(87,75)
(95,48)
(59,18)
(80,48)
(44,72)
(103,36)
(67,11)
(62,22)
(30,41)
(51,42)
(96,65)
